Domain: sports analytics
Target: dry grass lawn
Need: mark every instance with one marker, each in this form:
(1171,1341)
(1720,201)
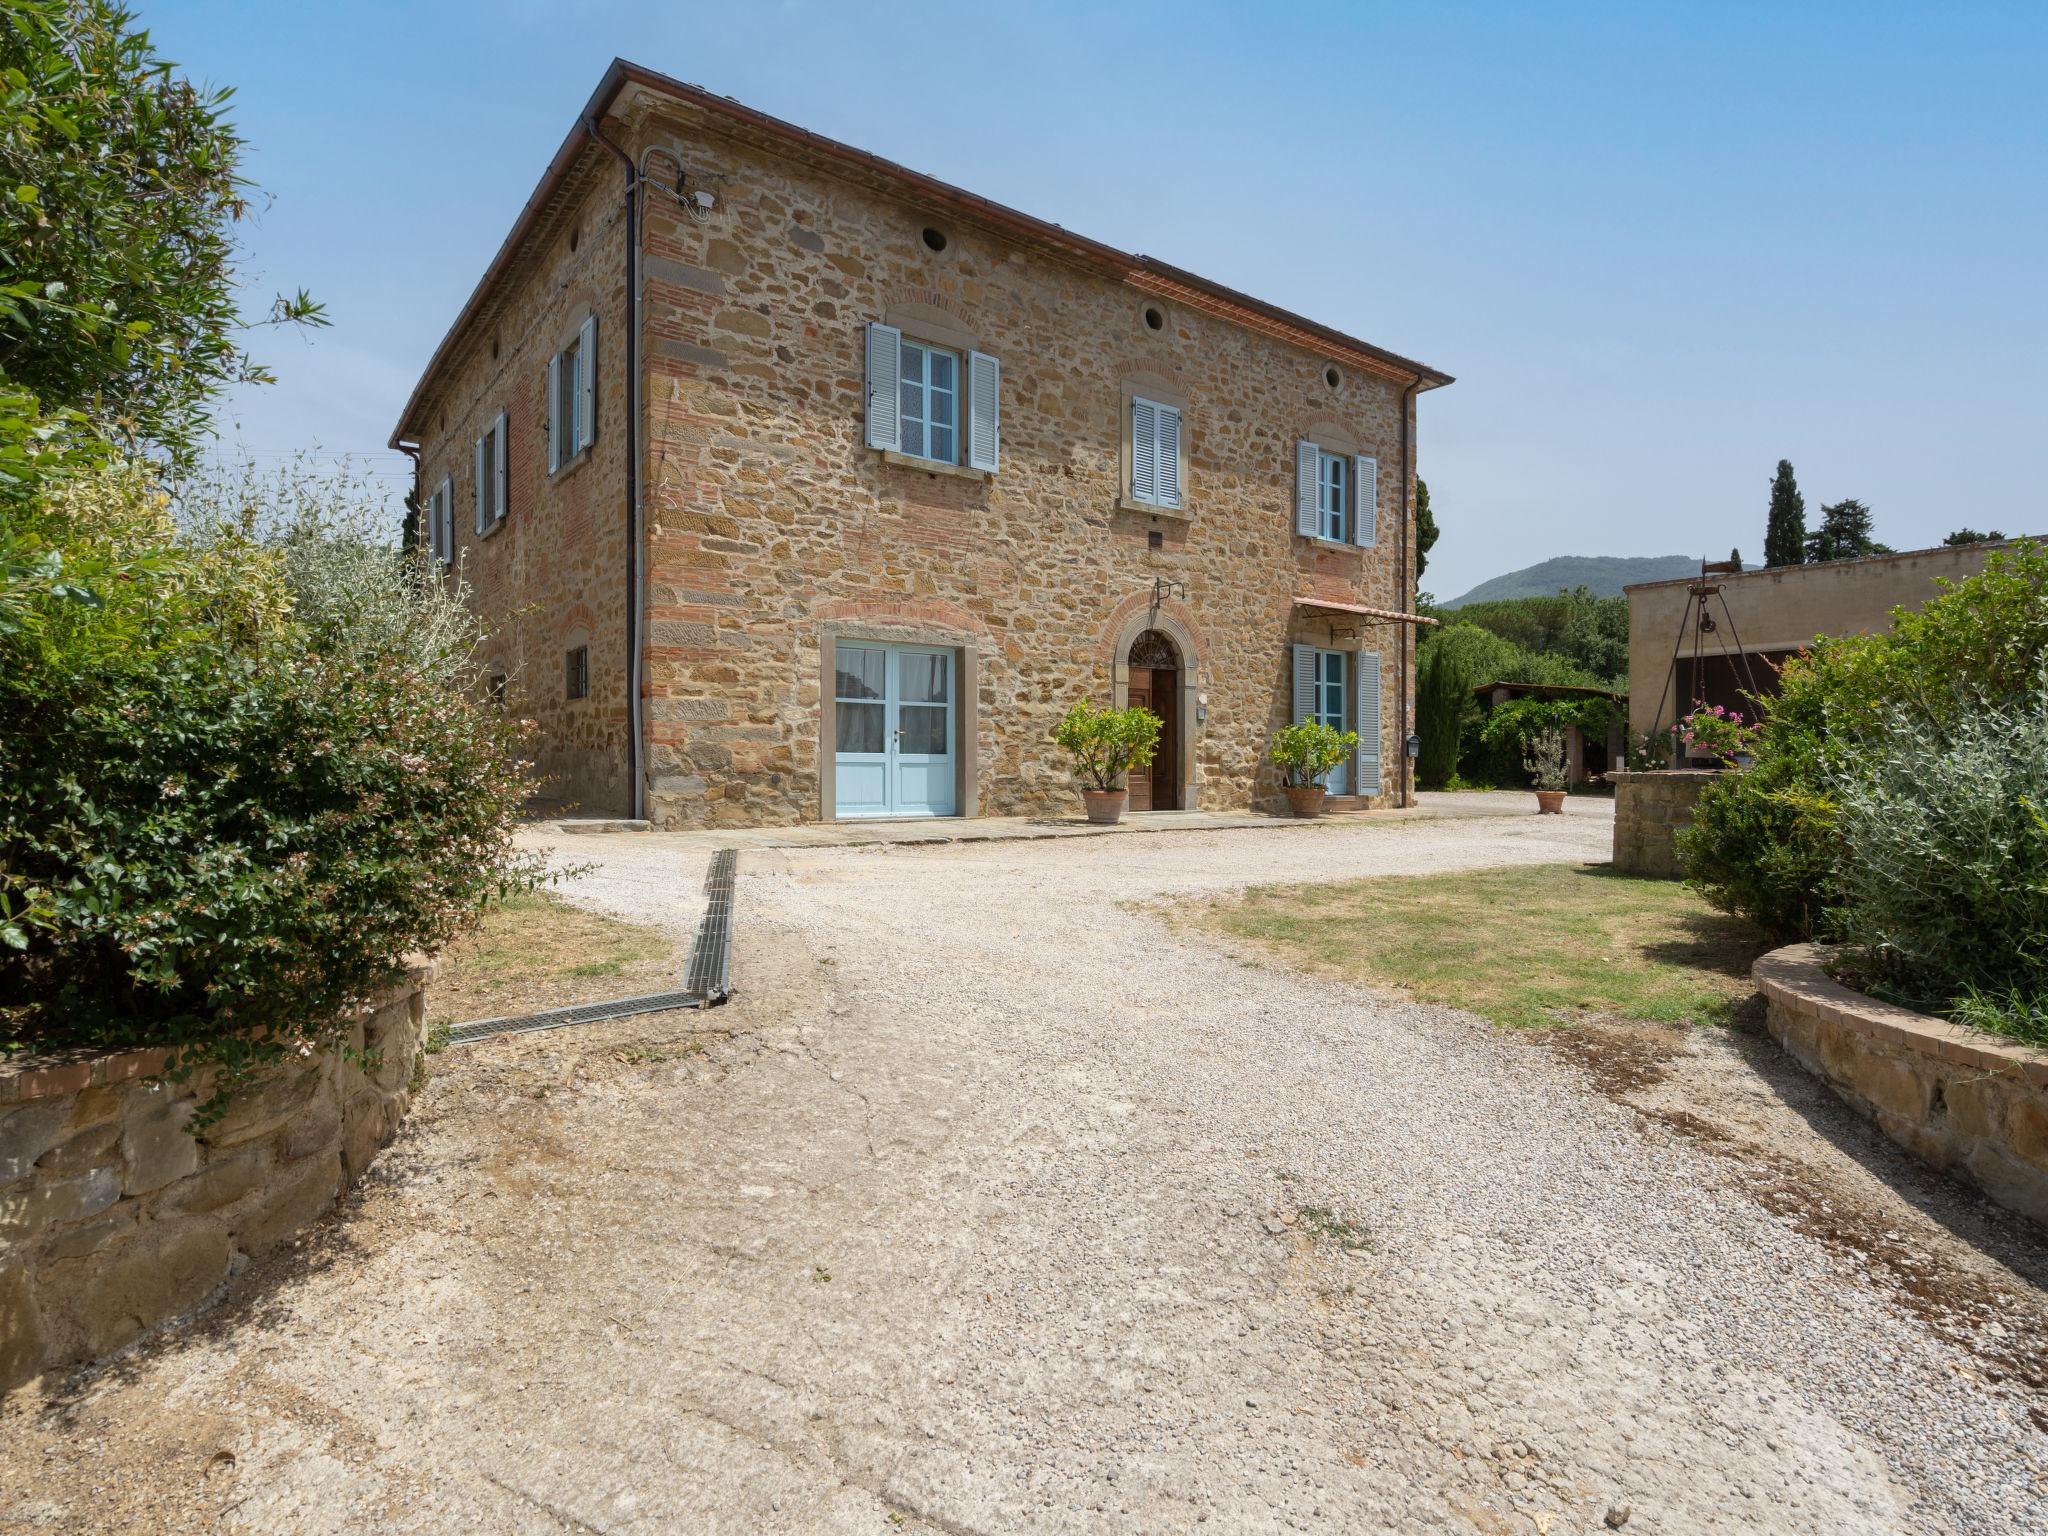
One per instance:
(1533,946)
(536,951)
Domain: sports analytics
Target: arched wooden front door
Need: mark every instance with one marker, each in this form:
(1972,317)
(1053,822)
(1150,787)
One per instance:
(1155,685)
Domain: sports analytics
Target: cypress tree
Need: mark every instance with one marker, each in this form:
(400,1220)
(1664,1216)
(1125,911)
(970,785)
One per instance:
(1785,533)
(1425,527)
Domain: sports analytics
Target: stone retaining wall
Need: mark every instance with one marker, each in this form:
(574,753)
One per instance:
(1648,809)
(1966,1101)
(114,1216)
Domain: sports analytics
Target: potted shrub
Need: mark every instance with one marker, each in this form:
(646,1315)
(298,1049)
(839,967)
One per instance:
(1544,756)
(1305,753)
(1105,744)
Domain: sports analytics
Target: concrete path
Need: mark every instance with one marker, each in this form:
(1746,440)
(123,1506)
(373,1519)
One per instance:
(996,1202)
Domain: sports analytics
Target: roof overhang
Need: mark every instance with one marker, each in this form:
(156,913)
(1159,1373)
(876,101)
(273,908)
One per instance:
(1142,272)
(1360,610)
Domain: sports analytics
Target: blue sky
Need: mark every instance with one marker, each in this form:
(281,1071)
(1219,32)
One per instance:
(1661,246)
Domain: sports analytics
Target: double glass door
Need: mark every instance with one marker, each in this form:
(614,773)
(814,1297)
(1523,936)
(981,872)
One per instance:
(893,711)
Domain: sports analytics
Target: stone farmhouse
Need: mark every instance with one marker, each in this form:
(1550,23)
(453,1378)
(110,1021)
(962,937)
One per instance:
(796,485)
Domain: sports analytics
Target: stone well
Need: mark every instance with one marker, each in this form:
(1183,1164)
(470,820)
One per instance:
(1649,809)
(1966,1101)
(115,1217)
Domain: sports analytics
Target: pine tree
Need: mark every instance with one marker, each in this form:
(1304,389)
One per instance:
(1971,536)
(1843,534)
(1785,533)
(1735,558)
(1425,527)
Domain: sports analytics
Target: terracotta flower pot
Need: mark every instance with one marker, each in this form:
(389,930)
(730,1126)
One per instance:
(1306,799)
(1106,806)
(1549,802)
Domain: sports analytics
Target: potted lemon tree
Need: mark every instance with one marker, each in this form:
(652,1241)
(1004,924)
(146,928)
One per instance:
(1306,753)
(1105,744)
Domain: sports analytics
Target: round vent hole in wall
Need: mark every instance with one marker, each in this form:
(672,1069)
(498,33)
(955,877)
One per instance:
(934,239)
(1155,318)
(1332,377)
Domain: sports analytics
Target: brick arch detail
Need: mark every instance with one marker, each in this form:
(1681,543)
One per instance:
(1137,366)
(576,616)
(1133,616)
(906,612)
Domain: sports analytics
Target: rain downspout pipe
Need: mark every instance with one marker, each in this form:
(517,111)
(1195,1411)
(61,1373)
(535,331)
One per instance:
(635,754)
(1407,603)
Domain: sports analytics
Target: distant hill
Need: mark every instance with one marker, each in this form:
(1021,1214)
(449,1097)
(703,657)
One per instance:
(1602,575)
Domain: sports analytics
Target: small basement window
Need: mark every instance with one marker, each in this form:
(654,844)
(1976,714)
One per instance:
(576,673)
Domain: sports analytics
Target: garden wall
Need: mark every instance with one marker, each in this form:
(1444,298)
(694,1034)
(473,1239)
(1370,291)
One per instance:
(1966,1101)
(114,1216)
(1648,809)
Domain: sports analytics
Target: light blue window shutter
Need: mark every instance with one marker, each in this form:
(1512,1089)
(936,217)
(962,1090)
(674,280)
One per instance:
(586,383)
(1368,494)
(1368,722)
(554,411)
(444,519)
(1144,451)
(984,411)
(1166,454)
(482,456)
(499,476)
(1304,683)
(1307,460)
(885,387)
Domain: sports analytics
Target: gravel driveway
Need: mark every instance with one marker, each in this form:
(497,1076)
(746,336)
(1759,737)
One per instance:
(995,1203)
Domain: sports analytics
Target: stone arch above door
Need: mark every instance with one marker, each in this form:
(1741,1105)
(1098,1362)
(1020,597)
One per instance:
(1145,620)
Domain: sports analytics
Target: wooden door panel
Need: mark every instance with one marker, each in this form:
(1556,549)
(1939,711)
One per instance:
(1140,695)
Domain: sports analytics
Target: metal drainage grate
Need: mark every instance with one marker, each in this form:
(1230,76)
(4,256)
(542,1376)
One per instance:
(586,1013)
(711,954)
(704,983)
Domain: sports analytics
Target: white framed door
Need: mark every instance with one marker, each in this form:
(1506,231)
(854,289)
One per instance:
(1332,708)
(893,719)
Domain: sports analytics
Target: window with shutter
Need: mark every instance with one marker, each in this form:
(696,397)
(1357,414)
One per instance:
(1307,459)
(586,383)
(554,413)
(984,411)
(929,392)
(480,474)
(1166,459)
(1368,726)
(444,520)
(884,395)
(1332,496)
(499,467)
(1144,448)
(1366,500)
(1155,452)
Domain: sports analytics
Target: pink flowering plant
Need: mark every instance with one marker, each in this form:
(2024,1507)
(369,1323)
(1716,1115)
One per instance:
(1713,731)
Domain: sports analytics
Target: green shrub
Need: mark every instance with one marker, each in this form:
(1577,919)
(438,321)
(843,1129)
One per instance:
(237,787)
(1943,864)
(1765,843)
(1105,744)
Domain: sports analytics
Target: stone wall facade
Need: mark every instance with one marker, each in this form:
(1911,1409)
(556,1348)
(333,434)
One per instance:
(1649,810)
(114,1216)
(551,576)
(773,532)
(1965,1101)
